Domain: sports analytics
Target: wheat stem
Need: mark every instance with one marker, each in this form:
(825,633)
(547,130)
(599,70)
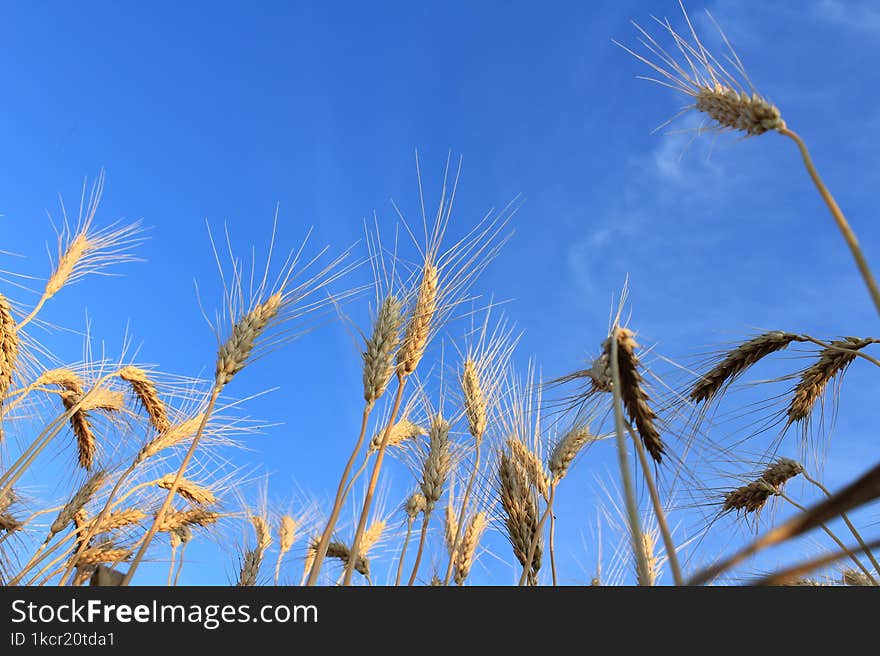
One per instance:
(659,512)
(836,540)
(35,560)
(552,544)
(415,570)
(33,313)
(180,564)
(341,493)
(459,533)
(374,480)
(409,525)
(842,224)
(849,524)
(171,565)
(536,538)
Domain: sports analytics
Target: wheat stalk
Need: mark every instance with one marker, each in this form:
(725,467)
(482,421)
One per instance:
(437,463)
(731,103)
(863,490)
(415,504)
(531,464)
(474,400)
(378,367)
(566,450)
(250,567)
(340,551)
(232,356)
(84,250)
(164,440)
(450,526)
(171,436)
(751,497)
(236,350)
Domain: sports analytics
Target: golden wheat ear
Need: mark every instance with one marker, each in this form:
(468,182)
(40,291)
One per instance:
(726,97)
(147,395)
(84,250)
(521,516)
(8,346)
(77,502)
(466,554)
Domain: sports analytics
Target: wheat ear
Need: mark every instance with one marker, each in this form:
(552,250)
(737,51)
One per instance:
(8,346)
(145,391)
(287,535)
(466,554)
(832,362)
(435,470)
(738,360)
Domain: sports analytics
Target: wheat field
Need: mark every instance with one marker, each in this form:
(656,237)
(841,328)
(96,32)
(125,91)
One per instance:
(459,468)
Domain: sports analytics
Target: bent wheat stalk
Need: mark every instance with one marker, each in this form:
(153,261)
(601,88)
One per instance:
(659,512)
(412,348)
(834,539)
(378,359)
(733,104)
(868,552)
(786,576)
(842,224)
(374,480)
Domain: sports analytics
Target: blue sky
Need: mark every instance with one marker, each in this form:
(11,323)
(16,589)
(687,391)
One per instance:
(220,111)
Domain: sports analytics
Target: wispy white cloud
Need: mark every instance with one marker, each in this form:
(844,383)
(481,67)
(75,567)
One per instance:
(859,16)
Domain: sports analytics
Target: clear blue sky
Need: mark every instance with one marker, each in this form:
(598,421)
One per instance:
(219,111)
